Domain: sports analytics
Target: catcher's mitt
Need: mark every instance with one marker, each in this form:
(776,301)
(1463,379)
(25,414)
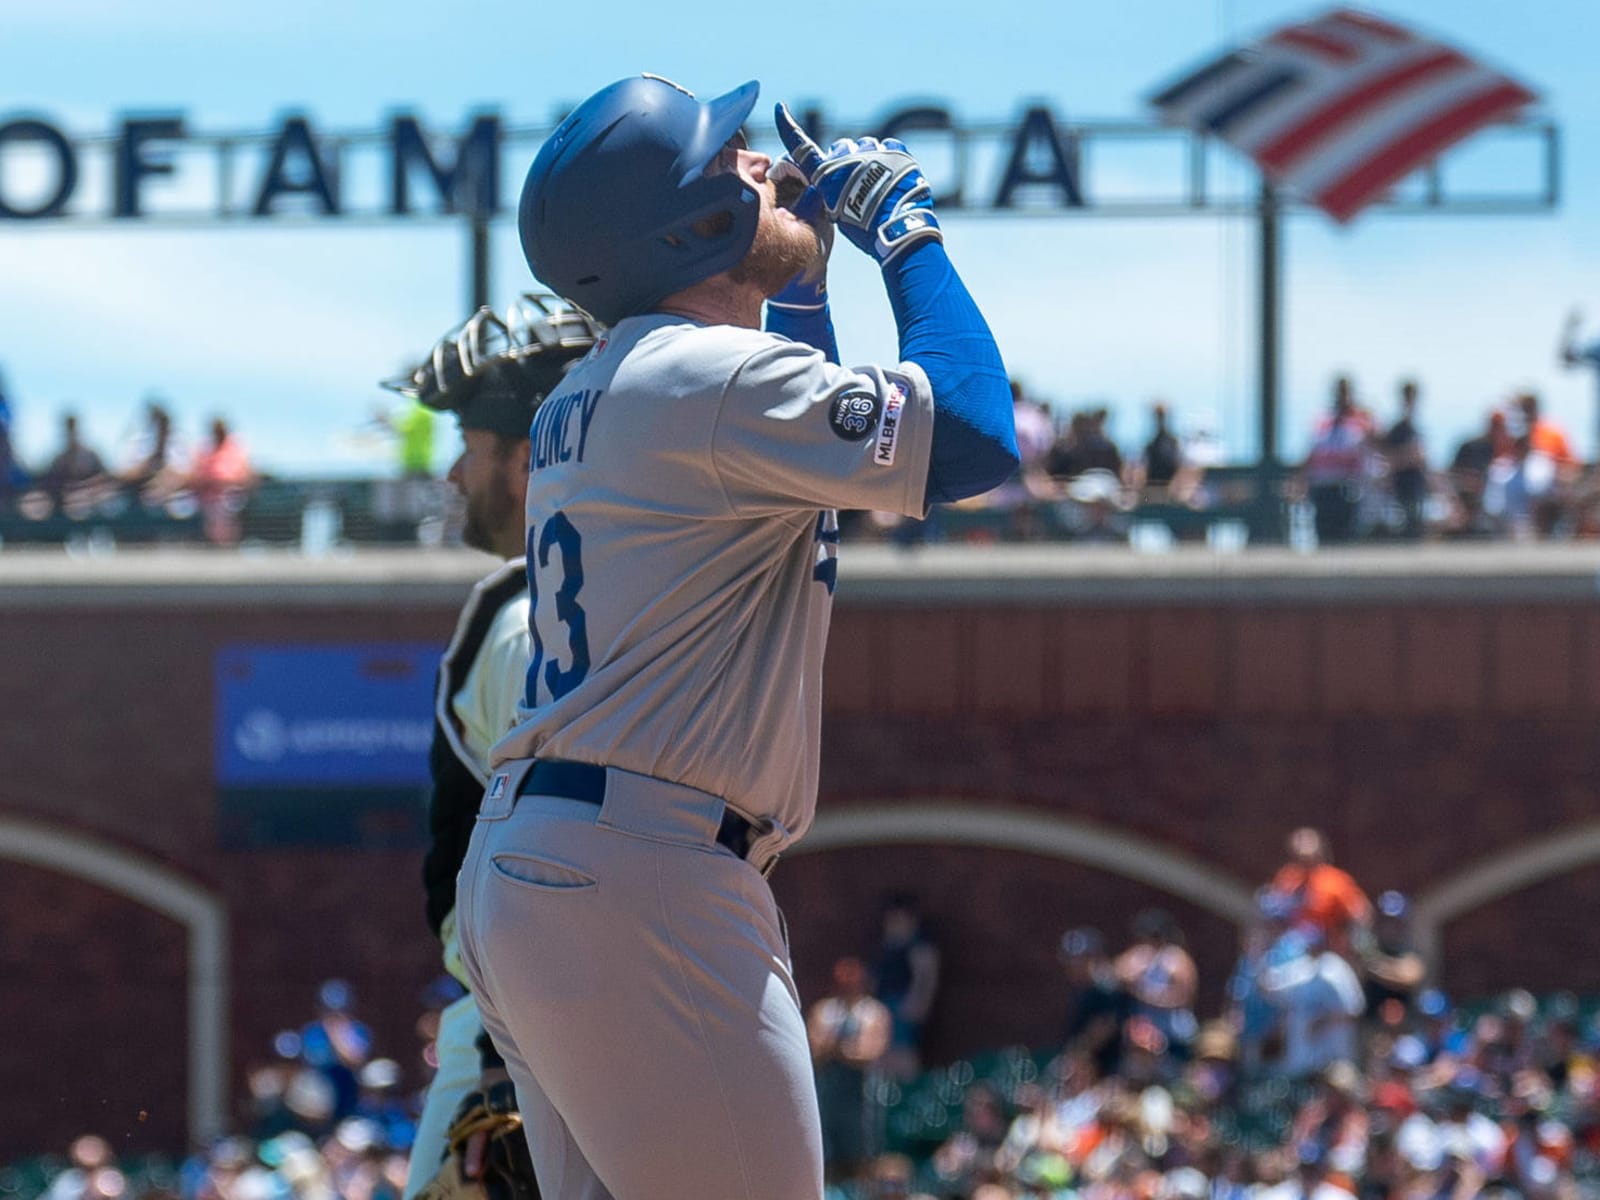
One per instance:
(507,1166)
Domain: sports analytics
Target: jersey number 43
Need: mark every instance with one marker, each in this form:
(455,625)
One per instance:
(557,538)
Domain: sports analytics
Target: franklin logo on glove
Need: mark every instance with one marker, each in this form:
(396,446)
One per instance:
(871,176)
(874,191)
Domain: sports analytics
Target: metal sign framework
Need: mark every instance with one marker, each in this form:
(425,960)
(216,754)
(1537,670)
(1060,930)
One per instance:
(1036,166)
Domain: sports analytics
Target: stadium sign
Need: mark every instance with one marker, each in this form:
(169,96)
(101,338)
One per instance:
(144,170)
(298,163)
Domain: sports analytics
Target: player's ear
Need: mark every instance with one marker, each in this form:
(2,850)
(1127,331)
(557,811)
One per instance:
(518,459)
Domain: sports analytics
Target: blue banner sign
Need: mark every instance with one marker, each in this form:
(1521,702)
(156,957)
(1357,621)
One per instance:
(310,716)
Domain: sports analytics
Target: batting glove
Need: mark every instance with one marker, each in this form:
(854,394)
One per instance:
(808,291)
(874,191)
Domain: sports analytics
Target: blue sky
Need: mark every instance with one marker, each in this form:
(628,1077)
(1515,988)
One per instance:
(286,331)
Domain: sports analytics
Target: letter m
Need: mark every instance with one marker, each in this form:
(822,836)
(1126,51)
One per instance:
(468,182)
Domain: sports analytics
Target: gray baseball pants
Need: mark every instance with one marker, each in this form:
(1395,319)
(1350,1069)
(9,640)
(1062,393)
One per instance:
(635,975)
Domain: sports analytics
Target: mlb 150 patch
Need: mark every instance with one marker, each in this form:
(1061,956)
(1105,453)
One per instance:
(854,415)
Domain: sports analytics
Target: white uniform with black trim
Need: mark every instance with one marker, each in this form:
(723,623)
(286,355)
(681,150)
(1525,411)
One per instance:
(474,707)
(682,552)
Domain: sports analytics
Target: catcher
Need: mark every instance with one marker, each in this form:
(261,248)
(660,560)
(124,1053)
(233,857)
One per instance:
(492,374)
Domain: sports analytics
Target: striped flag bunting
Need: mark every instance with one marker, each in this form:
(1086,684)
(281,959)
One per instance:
(1337,109)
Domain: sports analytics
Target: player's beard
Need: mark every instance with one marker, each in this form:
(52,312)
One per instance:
(781,250)
(494,519)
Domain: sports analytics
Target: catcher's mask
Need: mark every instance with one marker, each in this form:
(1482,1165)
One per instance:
(493,372)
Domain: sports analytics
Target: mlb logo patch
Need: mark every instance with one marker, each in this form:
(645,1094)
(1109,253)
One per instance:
(889,425)
(498,798)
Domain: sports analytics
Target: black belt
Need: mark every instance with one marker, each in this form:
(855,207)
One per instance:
(587,782)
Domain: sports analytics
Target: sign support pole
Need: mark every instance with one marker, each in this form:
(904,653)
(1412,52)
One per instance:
(478,251)
(1269,224)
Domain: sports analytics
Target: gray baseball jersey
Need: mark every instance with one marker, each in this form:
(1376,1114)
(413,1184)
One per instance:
(682,551)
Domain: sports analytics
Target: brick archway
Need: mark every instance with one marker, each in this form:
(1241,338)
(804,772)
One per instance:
(203,917)
(1499,875)
(1033,832)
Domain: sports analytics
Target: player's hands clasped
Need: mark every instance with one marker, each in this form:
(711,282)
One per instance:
(874,191)
(807,291)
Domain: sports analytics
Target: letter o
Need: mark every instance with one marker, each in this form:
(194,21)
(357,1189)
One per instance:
(66,168)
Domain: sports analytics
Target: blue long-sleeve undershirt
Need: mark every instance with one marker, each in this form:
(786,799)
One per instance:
(942,331)
(810,326)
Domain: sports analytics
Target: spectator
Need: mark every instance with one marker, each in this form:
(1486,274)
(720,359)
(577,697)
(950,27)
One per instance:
(1257,1020)
(76,472)
(1336,470)
(1159,974)
(966,1160)
(1408,465)
(1162,458)
(380,1101)
(1521,498)
(217,1175)
(1035,1145)
(222,480)
(1437,1037)
(413,426)
(891,1177)
(1544,435)
(1035,430)
(13,478)
(1035,435)
(1538,1153)
(1469,474)
(1336,1120)
(1097,451)
(1084,446)
(1116,1150)
(1098,1005)
(907,977)
(849,1032)
(1320,999)
(1099,512)
(92,1175)
(1066,457)
(1311,1179)
(1209,1078)
(337,1045)
(155,467)
(1530,489)
(1392,968)
(1170,469)
(1325,898)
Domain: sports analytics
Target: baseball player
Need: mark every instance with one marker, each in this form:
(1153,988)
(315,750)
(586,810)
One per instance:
(615,918)
(492,375)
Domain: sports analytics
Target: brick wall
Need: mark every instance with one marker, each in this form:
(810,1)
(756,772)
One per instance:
(1421,735)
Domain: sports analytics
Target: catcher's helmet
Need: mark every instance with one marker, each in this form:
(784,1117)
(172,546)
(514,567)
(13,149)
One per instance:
(494,372)
(609,207)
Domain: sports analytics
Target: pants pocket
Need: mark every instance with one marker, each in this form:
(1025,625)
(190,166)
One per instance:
(543,874)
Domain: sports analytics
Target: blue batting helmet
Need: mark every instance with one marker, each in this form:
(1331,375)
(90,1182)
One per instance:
(610,205)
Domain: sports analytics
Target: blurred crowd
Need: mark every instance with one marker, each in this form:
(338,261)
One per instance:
(1364,478)
(155,471)
(1518,478)
(1331,1071)
(327,1118)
